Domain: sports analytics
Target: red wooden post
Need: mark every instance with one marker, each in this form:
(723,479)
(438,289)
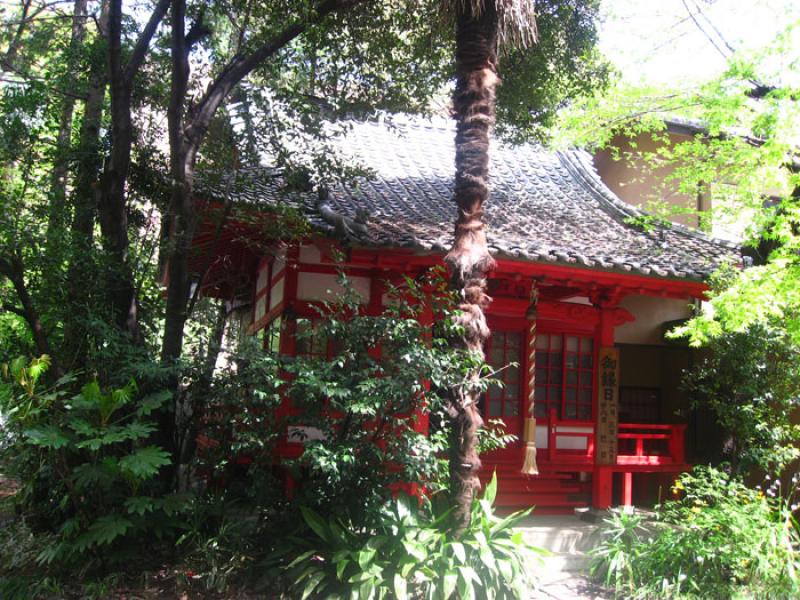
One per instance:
(602,487)
(551,434)
(677,443)
(627,489)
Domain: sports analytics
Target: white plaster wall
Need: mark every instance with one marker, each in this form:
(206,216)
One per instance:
(650,313)
(541,436)
(276,294)
(578,300)
(279,264)
(562,442)
(322,286)
(263,278)
(310,254)
(300,434)
(261,307)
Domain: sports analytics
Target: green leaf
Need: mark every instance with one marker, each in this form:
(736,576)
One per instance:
(91,393)
(506,570)
(365,558)
(38,367)
(177,503)
(145,462)
(469,574)
(106,529)
(487,558)
(137,430)
(315,522)
(47,437)
(139,505)
(340,568)
(466,591)
(460,553)
(102,474)
(449,581)
(400,587)
(490,492)
(152,402)
(367,590)
(312,583)
(416,550)
(301,558)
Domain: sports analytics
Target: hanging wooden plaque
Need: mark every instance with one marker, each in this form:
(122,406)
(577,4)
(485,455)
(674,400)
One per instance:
(607,406)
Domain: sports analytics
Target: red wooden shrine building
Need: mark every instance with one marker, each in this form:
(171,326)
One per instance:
(606,387)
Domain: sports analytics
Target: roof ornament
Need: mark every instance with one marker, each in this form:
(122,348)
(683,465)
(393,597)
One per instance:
(343,226)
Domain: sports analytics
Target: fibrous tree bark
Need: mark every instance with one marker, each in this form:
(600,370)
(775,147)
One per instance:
(469,260)
(481,25)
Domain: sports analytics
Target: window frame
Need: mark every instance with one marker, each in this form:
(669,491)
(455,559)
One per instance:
(521,385)
(563,402)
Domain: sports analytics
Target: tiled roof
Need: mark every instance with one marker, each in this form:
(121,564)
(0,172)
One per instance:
(544,206)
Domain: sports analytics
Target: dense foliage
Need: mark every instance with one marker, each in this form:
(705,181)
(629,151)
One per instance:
(720,539)
(412,554)
(116,118)
(85,466)
(741,151)
(750,383)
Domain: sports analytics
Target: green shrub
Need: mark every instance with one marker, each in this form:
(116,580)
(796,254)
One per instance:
(720,540)
(412,553)
(360,386)
(750,381)
(86,468)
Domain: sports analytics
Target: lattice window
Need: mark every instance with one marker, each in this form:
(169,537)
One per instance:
(564,376)
(639,405)
(272,336)
(504,348)
(312,342)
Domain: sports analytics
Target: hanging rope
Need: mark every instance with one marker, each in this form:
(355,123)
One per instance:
(529,466)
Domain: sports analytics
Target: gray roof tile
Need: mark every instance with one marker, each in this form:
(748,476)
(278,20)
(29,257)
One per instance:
(544,206)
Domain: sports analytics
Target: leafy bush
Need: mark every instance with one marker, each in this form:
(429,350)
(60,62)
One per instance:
(239,429)
(359,384)
(87,472)
(720,540)
(751,383)
(411,553)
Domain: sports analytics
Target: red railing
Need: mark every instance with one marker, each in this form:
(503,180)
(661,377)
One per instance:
(639,443)
(651,444)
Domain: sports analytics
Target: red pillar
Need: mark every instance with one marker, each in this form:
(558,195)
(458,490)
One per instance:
(602,476)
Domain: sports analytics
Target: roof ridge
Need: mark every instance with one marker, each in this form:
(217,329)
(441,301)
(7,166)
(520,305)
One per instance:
(388,121)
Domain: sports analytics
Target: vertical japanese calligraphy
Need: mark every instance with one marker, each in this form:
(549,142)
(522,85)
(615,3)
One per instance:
(607,406)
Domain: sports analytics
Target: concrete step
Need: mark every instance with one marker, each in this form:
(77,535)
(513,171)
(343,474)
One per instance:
(564,574)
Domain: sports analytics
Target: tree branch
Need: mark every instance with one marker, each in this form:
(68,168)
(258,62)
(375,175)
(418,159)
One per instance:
(241,66)
(13,268)
(13,309)
(143,43)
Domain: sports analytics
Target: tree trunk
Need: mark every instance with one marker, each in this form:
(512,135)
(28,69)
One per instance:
(113,208)
(58,178)
(469,260)
(114,213)
(81,272)
(13,268)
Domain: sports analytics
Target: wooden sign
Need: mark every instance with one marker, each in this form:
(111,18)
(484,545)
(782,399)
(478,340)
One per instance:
(607,406)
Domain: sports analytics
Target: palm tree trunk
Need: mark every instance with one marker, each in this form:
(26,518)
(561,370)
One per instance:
(469,260)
